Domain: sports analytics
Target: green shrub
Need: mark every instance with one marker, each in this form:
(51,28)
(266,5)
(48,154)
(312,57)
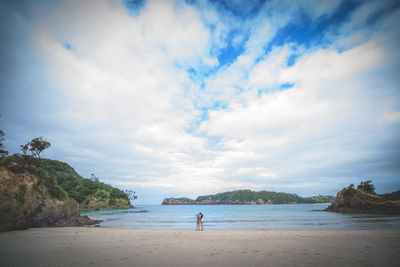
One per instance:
(81,189)
(367,187)
(349,191)
(55,190)
(21,163)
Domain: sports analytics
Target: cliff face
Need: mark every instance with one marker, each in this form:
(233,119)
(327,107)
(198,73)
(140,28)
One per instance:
(358,201)
(27,200)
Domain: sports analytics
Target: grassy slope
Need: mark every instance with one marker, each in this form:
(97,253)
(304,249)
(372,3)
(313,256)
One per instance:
(89,194)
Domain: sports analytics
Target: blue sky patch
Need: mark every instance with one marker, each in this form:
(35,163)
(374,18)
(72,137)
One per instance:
(229,53)
(241,9)
(283,86)
(303,31)
(200,73)
(213,140)
(67,46)
(291,60)
(286,85)
(218,104)
(134,6)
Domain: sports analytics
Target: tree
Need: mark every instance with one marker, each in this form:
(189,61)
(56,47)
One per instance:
(94,178)
(131,194)
(3,152)
(35,148)
(367,187)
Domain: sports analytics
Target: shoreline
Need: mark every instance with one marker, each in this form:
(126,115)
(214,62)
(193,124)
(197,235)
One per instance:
(100,246)
(237,204)
(106,208)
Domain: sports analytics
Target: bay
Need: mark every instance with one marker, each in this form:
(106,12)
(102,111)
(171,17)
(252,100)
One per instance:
(231,217)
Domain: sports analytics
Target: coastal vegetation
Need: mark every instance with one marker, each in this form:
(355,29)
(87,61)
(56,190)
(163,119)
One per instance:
(29,196)
(90,193)
(35,148)
(3,151)
(37,192)
(248,197)
(62,180)
(35,200)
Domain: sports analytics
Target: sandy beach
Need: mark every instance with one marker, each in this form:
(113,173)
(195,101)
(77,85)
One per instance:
(84,246)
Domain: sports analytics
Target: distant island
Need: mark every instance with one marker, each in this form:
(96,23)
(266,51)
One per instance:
(248,197)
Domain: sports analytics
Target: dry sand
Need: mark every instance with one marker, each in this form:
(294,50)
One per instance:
(83,246)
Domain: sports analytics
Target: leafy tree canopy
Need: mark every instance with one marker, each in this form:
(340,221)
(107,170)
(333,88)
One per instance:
(87,191)
(3,151)
(35,147)
(367,187)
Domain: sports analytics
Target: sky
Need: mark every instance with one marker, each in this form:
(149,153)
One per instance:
(188,98)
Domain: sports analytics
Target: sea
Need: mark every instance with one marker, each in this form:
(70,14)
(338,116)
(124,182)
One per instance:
(235,217)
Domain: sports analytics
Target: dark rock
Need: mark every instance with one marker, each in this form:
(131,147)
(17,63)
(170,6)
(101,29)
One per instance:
(77,221)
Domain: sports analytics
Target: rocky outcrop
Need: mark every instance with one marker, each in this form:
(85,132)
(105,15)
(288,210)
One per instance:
(351,200)
(27,200)
(177,201)
(260,201)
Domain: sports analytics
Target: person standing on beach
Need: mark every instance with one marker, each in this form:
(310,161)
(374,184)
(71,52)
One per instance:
(201,220)
(197,221)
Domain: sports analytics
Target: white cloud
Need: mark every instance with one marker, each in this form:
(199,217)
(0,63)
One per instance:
(131,110)
(330,117)
(266,73)
(390,117)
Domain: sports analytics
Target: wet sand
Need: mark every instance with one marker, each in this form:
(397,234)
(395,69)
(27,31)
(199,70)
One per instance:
(85,246)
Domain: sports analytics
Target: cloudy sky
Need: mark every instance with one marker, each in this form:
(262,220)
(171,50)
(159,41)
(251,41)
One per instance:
(184,98)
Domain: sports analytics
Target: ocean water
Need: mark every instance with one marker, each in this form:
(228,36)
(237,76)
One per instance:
(288,216)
